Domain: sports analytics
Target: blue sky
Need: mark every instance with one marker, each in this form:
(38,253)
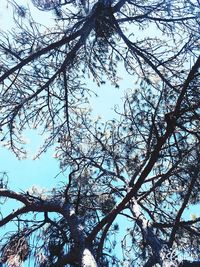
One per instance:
(42,172)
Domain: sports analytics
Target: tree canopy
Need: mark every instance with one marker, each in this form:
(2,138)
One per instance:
(129,179)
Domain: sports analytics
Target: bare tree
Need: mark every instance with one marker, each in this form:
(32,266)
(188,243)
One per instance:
(141,168)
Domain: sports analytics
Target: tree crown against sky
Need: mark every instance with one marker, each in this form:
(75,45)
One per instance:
(140,169)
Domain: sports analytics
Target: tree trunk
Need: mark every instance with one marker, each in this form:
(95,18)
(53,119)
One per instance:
(88,259)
